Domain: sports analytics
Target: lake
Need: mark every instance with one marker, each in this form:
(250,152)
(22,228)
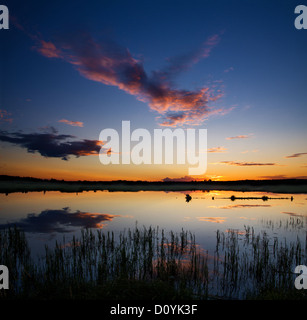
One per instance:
(47,217)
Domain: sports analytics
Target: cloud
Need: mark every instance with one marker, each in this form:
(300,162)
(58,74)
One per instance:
(5,116)
(111,64)
(282,176)
(48,49)
(296,155)
(182,179)
(72,123)
(52,144)
(229,69)
(239,137)
(243,164)
(277,177)
(173,119)
(49,221)
(217,150)
(185,61)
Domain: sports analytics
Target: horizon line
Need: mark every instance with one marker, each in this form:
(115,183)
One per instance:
(171,180)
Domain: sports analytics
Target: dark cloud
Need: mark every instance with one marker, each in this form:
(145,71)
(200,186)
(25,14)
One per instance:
(181,179)
(172,119)
(296,155)
(49,221)
(52,144)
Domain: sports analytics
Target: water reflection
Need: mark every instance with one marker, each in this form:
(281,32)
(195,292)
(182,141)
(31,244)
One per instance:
(239,231)
(199,212)
(62,220)
(241,206)
(188,198)
(212,219)
(294,224)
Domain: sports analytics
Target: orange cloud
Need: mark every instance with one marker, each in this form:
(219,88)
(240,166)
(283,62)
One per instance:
(217,150)
(96,144)
(72,123)
(243,136)
(113,65)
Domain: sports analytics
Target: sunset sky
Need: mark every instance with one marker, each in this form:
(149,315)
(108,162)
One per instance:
(70,69)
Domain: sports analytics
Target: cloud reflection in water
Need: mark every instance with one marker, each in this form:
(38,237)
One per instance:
(62,220)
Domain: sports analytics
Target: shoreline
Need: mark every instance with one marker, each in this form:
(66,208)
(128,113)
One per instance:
(18,184)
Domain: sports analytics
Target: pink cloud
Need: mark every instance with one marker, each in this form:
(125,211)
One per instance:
(217,150)
(243,136)
(110,64)
(48,49)
(72,123)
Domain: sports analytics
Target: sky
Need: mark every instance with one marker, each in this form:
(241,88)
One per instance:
(70,69)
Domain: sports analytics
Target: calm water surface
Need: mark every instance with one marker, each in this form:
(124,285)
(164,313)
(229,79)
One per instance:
(50,216)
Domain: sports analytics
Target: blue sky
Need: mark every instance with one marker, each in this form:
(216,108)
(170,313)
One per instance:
(247,54)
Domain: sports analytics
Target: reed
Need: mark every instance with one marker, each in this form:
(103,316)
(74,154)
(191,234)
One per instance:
(252,266)
(98,262)
(150,263)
